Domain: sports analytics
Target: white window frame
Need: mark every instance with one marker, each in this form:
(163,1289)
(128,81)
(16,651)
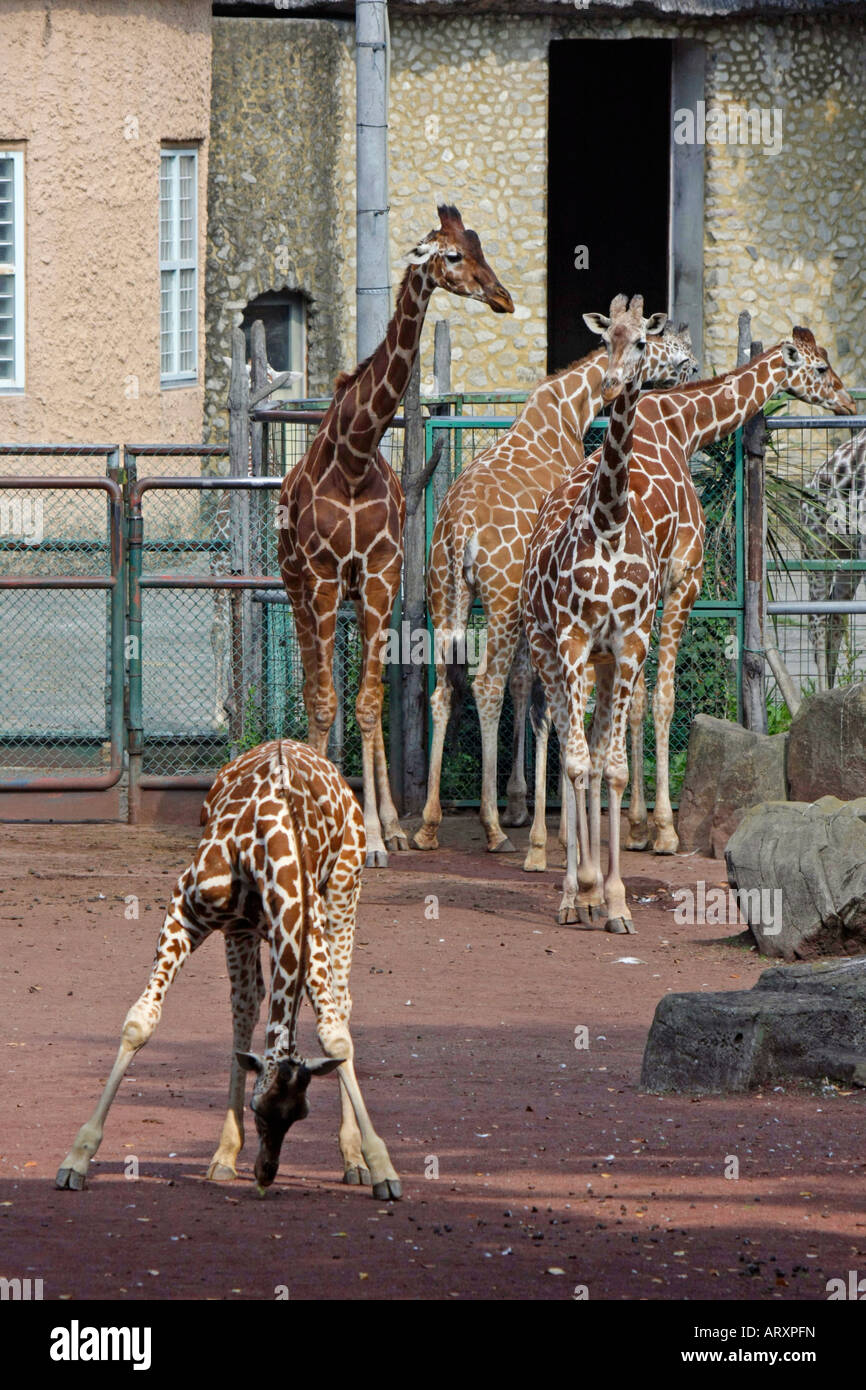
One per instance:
(16,270)
(176,264)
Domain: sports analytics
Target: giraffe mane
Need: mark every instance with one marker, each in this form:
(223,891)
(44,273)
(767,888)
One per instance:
(346,378)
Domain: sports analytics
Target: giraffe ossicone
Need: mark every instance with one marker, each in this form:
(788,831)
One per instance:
(279,862)
(344,511)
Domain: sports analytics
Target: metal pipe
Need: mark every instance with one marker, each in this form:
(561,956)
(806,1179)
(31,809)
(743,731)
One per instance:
(817,606)
(373,293)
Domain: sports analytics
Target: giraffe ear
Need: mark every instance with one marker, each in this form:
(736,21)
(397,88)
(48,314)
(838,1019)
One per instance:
(656,322)
(791,354)
(250,1061)
(322,1066)
(597,323)
(420,254)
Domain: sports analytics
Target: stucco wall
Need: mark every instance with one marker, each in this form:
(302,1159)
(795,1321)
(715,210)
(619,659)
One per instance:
(90,90)
(277,130)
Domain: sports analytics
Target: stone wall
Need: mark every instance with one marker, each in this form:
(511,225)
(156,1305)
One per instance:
(468,123)
(277,135)
(90,91)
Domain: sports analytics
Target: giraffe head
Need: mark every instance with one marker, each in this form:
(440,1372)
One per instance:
(279,1100)
(671,358)
(453,256)
(624,332)
(810,376)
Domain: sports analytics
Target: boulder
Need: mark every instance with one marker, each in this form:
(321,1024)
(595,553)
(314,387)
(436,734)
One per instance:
(827,745)
(800,1023)
(800,874)
(728,770)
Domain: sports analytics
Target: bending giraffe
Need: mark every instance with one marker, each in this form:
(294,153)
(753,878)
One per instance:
(834,521)
(671,426)
(279,861)
(588,597)
(343,510)
(478,551)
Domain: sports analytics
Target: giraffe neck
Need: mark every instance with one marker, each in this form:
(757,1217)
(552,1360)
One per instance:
(607,499)
(713,409)
(366,401)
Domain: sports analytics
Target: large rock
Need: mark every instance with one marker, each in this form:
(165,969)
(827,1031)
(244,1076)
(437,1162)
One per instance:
(799,1023)
(800,872)
(728,770)
(827,745)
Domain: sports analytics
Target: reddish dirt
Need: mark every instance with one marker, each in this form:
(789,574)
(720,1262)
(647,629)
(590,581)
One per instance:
(553,1169)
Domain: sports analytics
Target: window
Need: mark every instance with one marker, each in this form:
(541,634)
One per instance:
(11,270)
(284,317)
(178,266)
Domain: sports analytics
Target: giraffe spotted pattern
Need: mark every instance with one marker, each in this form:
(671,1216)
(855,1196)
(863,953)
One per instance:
(279,862)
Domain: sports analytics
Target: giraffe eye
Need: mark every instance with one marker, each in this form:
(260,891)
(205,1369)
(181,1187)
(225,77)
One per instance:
(821,368)
(453,256)
(641,344)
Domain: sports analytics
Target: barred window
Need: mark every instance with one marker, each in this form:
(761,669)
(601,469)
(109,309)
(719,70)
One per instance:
(178,266)
(11,269)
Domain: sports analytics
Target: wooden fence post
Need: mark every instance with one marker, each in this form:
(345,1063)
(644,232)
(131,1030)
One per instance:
(754,448)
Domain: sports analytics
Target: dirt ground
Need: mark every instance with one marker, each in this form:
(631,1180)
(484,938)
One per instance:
(530,1167)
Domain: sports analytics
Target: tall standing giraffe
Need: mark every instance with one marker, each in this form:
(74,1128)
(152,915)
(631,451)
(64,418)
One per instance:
(670,427)
(478,550)
(342,510)
(835,521)
(588,598)
(279,861)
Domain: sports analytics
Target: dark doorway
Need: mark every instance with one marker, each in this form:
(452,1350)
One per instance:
(609,138)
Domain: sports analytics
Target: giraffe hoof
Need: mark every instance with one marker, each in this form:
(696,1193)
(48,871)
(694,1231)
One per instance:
(638,841)
(666,841)
(535,861)
(68,1178)
(567,916)
(397,841)
(504,847)
(391,1190)
(356,1175)
(519,816)
(620,926)
(426,838)
(221,1172)
(376,859)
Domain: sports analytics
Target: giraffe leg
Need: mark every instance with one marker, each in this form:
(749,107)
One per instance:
(380,814)
(845,586)
(638,837)
(536,856)
(488,690)
(677,607)
(316,637)
(426,837)
(181,934)
(520,685)
(591,907)
(616,772)
(243,957)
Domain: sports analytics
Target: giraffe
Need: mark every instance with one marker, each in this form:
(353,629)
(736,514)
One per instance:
(342,511)
(478,550)
(588,596)
(835,524)
(279,861)
(670,427)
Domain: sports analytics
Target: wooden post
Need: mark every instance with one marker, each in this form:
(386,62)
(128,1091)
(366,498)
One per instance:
(442,387)
(239,447)
(754,447)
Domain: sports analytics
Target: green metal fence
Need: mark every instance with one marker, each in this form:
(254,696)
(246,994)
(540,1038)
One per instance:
(156,546)
(708,668)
